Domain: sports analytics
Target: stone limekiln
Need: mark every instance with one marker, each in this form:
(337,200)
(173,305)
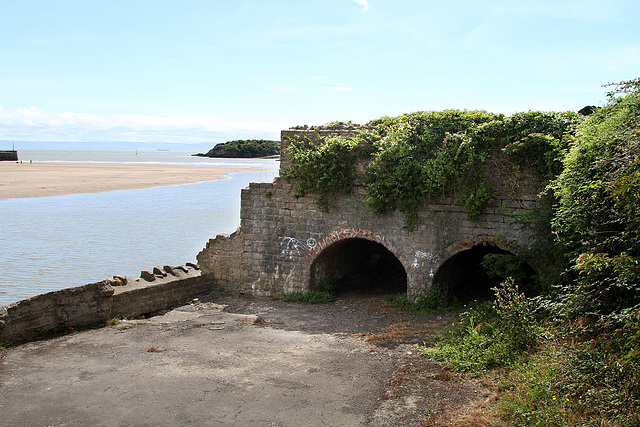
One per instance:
(286,244)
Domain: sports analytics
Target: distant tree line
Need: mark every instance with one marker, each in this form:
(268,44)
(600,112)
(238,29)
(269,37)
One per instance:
(244,148)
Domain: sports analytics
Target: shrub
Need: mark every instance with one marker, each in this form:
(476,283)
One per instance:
(598,203)
(578,382)
(490,334)
(529,396)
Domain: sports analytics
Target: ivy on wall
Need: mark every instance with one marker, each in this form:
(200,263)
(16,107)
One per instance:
(416,157)
(325,168)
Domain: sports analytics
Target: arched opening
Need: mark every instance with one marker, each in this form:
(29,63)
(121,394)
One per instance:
(358,266)
(463,277)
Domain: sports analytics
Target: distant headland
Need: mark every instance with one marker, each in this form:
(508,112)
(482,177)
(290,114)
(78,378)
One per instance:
(244,148)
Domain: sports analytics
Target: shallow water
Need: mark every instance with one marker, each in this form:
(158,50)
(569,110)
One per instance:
(57,242)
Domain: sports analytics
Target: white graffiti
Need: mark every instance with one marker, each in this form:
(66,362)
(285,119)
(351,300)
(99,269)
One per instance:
(292,247)
(312,243)
(420,255)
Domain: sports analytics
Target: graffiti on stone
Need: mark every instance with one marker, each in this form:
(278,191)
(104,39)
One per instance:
(420,255)
(311,243)
(292,247)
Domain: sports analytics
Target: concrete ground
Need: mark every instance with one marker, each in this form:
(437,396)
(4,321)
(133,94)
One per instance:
(232,362)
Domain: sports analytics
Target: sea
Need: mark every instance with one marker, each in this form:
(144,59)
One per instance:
(52,243)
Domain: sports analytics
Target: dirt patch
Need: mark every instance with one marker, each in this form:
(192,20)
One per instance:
(418,391)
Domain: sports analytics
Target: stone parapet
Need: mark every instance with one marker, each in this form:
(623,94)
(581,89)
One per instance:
(93,304)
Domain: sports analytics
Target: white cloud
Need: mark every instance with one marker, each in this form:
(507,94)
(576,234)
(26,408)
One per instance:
(364,3)
(32,124)
(339,88)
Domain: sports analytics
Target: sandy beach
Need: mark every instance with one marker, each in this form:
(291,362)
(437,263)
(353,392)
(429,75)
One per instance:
(44,179)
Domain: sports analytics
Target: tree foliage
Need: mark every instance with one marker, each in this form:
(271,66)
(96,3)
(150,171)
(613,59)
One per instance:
(599,208)
(596,303)
(244,148)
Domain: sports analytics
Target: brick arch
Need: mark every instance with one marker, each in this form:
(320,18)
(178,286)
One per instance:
(351,233)
(484,240)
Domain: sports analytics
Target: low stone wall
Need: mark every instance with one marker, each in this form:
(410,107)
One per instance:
(9,155)
(93,304)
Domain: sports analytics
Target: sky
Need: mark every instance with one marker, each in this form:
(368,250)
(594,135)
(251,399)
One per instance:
(193,71)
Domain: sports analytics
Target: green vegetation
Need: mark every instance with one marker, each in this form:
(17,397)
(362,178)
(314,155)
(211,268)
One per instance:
(571,357)
(115,320)
(414,158)
(490,334)
(323,295)
(244,148)
(598,211)
(325,168)
(438,301)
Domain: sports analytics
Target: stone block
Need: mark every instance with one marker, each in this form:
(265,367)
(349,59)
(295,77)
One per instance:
(159,272)
(147,275)
(170,270)
(119,280)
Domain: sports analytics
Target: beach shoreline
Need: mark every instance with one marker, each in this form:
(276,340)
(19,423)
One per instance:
(46,179)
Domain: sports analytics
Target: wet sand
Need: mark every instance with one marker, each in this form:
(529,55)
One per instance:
(44,179)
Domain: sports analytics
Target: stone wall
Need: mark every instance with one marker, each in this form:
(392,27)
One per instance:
(93,304)
(8,155)
(281,236)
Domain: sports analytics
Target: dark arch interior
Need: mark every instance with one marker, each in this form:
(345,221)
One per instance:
(358,266)
(463,278)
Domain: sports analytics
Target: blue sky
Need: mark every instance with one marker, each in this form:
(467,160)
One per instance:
(213,70)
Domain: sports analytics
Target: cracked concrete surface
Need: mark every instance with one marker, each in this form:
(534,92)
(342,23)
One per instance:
(260,363)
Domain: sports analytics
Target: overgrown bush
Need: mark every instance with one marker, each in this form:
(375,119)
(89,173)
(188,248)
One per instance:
(325,168)
(414,158)
(589,372)
(529,397)
(598,210)
(490,334)
(578,382)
